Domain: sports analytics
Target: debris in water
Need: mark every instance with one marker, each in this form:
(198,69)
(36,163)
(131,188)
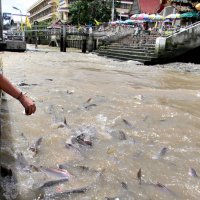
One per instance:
(139,176)
(162,152)
(192,172)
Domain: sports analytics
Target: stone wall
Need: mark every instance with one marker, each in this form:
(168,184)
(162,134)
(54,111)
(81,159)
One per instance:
(179,43)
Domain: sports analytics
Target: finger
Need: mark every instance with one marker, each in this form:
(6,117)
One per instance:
(27,111)
(34,108)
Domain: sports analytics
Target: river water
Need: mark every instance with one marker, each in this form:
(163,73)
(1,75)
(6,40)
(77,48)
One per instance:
(137,117)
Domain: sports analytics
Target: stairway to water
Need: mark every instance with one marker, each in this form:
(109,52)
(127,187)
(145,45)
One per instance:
(154,48)
(140,48)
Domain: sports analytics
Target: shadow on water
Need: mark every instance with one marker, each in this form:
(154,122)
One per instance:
(8,188)
(191,56)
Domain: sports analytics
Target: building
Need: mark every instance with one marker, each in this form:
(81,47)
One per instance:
(124,9)
(49,10)
(130,7)
(52,10)
(42,11)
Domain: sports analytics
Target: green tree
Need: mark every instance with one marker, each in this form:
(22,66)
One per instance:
(86,11)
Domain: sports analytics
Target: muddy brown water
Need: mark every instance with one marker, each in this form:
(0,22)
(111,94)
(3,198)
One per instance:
(154,106)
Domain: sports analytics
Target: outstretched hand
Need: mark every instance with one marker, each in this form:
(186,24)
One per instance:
(28,104)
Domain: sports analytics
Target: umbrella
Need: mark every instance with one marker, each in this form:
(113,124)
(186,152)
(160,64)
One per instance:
(173,16)
(168,20)
(156,17)
(189,15)
(143,16)
(129,21)
(135,16)
(113,23)
(197,6)
(120,22)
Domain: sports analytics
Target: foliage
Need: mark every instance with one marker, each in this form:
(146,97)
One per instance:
(87,11)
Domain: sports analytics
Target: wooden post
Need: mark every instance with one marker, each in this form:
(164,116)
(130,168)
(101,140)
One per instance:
(90,43)
(61,39)
(84,44)
(64,38)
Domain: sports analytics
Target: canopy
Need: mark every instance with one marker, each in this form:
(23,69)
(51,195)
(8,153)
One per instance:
(143,16)
(189,15)
(135,16)
(156,17)
(197,6)
(129,21)
(173,16)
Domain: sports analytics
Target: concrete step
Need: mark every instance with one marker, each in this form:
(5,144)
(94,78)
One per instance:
(132,45)
(125,55)
(130,48)
(143,60)
(128,51)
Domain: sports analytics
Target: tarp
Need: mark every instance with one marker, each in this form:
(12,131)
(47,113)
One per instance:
(190,15)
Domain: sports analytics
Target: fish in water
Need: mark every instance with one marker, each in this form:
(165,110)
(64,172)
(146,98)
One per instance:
(70,91)
(122,135)
(52,183)
(35,146)
(88,100)
(139,176)
(192,172)
(162,153)
(62,173)
(127,123)
(52,177)
(67,166)
(88,107)
(71,146)
(124,185)
(65,193)
(22,162)
(23,84)
(49,79)
(111,198)
(24,165)
(76,170)
(80,139)
(61,124)
(160,185)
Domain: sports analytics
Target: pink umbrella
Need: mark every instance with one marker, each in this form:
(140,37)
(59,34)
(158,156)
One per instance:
(135,16)
(143,16)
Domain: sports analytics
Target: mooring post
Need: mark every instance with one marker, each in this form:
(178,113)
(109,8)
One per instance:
(90,43)
(84,44)
(36,34)
(61,39)
(64,38)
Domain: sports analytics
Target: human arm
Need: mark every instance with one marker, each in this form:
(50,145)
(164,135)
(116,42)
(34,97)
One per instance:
(10,89)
